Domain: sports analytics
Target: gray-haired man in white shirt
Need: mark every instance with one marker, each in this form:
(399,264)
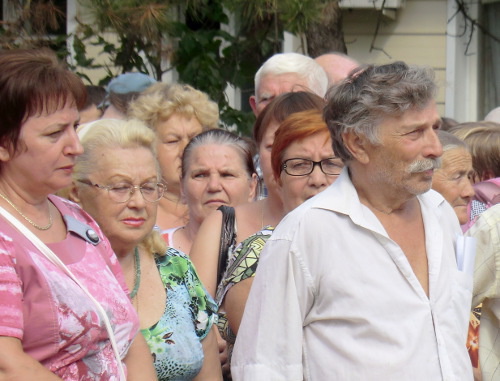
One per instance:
(361,281)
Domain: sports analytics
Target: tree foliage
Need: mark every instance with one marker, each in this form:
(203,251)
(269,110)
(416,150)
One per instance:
(32,24)
(192,36)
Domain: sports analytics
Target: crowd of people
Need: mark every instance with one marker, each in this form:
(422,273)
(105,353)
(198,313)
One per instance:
(354,236)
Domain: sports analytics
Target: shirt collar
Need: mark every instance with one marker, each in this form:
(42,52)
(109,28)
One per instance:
(342,197)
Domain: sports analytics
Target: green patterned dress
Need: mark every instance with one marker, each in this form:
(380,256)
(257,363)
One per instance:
(175,341)
(242,264)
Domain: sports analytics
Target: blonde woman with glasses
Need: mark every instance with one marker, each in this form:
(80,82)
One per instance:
(117,181)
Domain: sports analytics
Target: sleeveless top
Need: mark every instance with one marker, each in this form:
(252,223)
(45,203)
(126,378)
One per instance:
(168,235)
(242,264)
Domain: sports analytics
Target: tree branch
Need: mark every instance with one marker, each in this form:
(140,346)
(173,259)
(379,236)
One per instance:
(375,34)
(471,23)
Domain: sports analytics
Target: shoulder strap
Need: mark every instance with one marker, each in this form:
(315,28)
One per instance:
(51,256)
(227,238)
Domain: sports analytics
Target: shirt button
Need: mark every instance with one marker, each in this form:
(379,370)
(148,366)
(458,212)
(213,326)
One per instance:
(92,235)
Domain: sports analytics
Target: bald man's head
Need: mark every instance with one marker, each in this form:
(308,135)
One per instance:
(337,66)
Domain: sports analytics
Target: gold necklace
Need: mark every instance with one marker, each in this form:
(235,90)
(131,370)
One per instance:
(46,227)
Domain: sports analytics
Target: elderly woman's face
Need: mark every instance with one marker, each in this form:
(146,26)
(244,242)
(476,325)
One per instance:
(124,224)
(173,136)
(454,180)
(216,175)
(297,189)
(47,148)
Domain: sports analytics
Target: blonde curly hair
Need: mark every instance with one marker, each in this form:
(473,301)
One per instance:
(160,101)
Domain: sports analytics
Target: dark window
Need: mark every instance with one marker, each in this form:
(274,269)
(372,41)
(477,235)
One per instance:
(491,60)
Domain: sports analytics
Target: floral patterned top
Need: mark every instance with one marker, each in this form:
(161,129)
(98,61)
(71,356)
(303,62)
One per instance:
(242,264)
(175,341)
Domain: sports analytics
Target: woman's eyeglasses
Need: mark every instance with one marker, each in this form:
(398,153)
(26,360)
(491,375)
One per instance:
(303,167)
(122,192)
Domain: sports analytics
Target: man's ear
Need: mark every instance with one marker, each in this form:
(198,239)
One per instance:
(253,104)
(357,146)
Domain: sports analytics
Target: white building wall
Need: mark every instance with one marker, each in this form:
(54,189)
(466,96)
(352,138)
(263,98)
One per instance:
(416,35)
(424,32)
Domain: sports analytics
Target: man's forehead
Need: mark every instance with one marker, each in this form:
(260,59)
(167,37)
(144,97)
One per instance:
(414,117)
(272,85)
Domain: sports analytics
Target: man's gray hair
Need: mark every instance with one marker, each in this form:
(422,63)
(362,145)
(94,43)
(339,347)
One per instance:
(372,93)
(305,67)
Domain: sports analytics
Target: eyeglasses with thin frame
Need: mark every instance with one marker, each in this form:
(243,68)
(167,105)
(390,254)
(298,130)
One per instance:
(303,167)
(122,192)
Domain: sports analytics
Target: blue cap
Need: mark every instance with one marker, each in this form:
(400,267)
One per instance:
(130,82)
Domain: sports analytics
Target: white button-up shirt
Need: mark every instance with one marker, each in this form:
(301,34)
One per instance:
(335,298)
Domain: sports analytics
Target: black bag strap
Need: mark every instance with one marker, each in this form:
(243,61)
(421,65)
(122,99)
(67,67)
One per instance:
(227,238)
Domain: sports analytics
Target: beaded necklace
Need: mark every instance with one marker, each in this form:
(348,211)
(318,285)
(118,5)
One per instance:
(137,278)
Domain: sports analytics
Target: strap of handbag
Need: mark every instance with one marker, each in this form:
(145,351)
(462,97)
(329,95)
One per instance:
(227,238)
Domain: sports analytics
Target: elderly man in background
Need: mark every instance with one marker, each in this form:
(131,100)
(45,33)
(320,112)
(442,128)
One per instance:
(286,72)
(454,179)
(361,281)
(337,66)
